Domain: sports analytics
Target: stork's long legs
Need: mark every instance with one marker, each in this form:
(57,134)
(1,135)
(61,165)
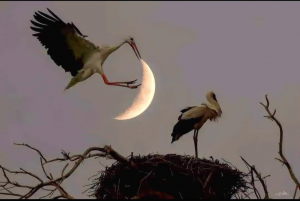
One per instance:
(129,82)
(120,83)
(196,142)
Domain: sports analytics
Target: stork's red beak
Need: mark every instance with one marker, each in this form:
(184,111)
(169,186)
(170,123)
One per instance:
(135,49)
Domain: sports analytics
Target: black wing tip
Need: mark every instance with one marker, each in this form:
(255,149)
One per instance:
(186,109)
(35,29)
(39,12)
(42,14)
(54,15)
(50,11)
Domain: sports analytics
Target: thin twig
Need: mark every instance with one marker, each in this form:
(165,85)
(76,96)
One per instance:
(207,180)
(295,192)
(44,169)
(32,149)
(57,197)
(259,177)
(142,182)
(257,194)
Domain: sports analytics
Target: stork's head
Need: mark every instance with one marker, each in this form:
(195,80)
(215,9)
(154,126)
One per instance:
(212,95)
(212,98)
(131,42)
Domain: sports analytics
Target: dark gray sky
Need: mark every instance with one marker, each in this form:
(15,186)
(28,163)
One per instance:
(240,50)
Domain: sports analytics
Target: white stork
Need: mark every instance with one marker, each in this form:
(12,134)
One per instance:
(69,49)
(193,118)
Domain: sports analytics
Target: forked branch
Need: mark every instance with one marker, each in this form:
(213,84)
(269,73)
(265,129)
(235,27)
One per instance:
(260,178)
(283,159)
(6,187)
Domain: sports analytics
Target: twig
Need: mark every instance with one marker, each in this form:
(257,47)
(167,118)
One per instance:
(62,174)
(283,159)
(44,169)
(257,194)
(11,194)
(229,163)
(56,183)
(115,155)
(33,149)
(142,182)
(180,195)
(295,192)
(118,189)
(207,180)
(57,197)
(76,157)
(94,175)
(259,177)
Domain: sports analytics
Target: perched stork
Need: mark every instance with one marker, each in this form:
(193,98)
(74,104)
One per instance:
(193,118)
(69,49)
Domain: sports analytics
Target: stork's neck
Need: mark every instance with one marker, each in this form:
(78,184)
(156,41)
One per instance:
(109,50)
(214,105)
(114,48)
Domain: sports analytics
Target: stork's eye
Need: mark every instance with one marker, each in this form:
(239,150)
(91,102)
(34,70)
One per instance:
(131,39)
(214,97)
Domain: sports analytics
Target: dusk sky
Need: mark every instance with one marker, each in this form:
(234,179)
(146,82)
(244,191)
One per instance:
(239,50)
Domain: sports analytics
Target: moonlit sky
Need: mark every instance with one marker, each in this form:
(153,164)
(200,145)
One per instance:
(240,50)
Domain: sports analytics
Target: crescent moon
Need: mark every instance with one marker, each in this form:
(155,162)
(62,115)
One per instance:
(144,98)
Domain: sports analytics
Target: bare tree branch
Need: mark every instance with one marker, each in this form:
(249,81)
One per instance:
(32,149)
(283,159)
(56,183)
(76,157)
(42,165)
(257,194)
(295,192)
(263,183)
(57,197)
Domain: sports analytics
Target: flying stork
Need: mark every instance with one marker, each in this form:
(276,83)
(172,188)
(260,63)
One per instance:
(194,117)
(69,49)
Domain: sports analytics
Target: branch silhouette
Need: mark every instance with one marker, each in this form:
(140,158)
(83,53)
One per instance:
(283,159)
(261,179)
(7,186)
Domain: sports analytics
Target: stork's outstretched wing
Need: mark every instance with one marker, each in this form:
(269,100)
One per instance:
(65,43)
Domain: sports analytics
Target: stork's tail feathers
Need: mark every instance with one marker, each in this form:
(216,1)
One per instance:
(175,137)
(73,81)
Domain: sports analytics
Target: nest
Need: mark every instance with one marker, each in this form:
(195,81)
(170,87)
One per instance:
(169,176)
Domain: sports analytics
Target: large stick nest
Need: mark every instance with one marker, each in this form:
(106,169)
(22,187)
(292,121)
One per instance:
(169,176)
